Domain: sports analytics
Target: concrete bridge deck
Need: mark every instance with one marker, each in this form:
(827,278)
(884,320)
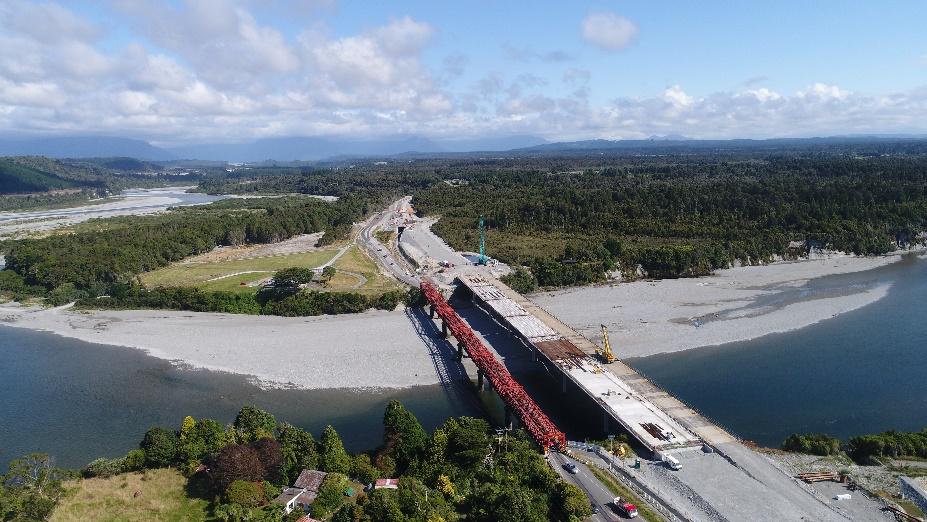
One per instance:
(653,417)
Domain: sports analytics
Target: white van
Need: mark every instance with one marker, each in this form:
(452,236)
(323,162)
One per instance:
(672,463)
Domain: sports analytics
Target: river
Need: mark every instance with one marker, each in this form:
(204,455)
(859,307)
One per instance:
(861,372)
(78,401)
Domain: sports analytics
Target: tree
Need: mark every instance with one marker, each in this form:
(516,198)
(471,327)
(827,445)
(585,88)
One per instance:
(271,456)
(293,277)
(332,456)
(331,494)
(569,503)
(236,462)
(246,494)
(32,488)
(253,424)
(160,447)
(363,470)
(299,451)
(403,436)
(328,273)
(383,506)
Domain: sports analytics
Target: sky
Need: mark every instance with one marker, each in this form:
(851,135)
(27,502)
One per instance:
(205,71)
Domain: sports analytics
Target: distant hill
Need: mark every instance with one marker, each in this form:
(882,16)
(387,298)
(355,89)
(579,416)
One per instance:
(672,145)
(83,147)
(325,147)
(20,175)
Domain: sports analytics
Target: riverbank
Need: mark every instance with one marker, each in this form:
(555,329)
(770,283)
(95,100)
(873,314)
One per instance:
(738,304)
(370,350)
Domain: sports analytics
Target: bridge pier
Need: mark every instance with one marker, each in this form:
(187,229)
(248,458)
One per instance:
(507,423)
(444,328)
(460,350)
(431,311)
(479,380)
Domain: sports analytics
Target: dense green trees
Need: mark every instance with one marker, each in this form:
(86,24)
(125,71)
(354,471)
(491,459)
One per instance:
(298,449)
(445,476)
(864,449)
(814,444)
(332,455)
(680,216)
(403,436)
(97,262)
(160,447)
(254,424)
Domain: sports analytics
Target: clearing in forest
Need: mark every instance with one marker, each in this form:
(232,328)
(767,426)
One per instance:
(158,494)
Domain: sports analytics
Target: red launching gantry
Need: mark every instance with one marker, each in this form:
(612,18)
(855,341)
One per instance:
(534,420)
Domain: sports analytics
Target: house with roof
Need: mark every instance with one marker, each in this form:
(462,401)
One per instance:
(302,493)
(388,483)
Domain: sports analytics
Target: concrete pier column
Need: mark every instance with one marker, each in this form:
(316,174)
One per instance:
(443,329)
(507,423)
(479,380)
(460,350)
(431,311)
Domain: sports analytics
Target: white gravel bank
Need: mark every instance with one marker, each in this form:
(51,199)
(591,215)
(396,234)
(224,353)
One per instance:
(370,350)
(651,317)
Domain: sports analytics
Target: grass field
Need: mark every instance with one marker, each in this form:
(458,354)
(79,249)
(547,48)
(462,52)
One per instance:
(161,497)
(355,272)
(229,274)
(356,262)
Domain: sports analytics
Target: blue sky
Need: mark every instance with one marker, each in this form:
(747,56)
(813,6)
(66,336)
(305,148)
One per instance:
(235,70)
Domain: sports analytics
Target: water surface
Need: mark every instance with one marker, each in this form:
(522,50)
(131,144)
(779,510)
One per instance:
(862,372)
(78,401)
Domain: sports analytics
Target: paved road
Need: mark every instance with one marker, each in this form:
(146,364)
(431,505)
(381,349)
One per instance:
(584,479)
(368,241)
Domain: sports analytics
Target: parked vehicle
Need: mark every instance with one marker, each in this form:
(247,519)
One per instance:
(672,463)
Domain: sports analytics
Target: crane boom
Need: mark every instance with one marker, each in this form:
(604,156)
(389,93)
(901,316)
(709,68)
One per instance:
(606,352)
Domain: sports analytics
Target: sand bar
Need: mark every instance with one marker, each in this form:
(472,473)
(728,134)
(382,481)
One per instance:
(370,350)
(650,317)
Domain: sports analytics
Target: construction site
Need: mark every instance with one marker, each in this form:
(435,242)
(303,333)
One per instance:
(692,469)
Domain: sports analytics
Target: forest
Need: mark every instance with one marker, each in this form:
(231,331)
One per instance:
(241,467)
(93,260)
(38,174)
(677,217)
(572,219)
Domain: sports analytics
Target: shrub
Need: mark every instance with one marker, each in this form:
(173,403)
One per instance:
(103,468)
(246,494)
(814,444)
(160,447)
(134,460)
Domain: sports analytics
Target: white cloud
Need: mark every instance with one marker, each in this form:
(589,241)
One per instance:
(677,97)
(609,31)
(212,70)
(822,91)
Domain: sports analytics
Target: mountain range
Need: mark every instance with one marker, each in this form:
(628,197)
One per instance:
(286,149)
(278,149)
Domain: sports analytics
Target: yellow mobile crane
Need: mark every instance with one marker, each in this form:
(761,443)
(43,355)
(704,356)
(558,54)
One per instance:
(606,352)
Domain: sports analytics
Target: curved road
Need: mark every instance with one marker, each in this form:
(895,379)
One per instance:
(384,257)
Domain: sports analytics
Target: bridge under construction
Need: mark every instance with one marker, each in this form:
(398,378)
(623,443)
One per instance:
(517,401)
(620,402)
